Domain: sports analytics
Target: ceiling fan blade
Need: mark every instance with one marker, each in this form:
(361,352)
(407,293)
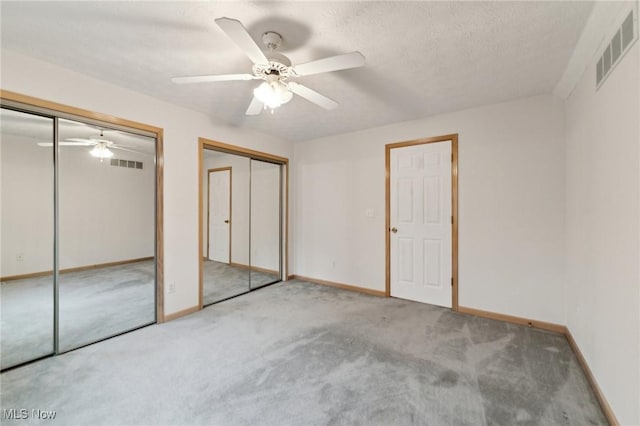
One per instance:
(312,96)
(88,141)
(332,63)
(255,107)
(240,36)
(210,78)
(66,144)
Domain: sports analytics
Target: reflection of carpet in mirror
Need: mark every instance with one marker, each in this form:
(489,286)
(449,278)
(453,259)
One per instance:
(94,304)
(221,281)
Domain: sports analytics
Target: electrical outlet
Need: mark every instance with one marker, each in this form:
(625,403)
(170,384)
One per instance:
(19,257)
(369,213)
(172,288)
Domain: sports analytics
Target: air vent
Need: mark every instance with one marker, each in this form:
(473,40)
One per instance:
(129,164)
(628,31)
(619,45)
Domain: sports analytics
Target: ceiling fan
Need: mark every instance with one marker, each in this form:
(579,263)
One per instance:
(101,146)
(275,70)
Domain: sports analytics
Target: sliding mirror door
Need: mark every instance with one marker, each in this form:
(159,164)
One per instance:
(266,202)
(27,229)
(106,236)
(225,240)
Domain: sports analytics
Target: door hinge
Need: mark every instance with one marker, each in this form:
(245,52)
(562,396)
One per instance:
(452,220)
(452,158)
(451,281)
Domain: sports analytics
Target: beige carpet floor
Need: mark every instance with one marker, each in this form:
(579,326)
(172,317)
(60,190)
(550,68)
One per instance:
(302,354)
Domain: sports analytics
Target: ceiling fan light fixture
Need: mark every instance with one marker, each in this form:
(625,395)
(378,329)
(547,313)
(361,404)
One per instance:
(275,69)
(272,94)
(101,151)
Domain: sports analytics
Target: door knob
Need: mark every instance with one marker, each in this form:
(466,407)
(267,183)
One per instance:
(226,221)
(394,229)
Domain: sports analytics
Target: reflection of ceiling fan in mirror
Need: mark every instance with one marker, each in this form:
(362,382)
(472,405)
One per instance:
(101,147)
(275,70)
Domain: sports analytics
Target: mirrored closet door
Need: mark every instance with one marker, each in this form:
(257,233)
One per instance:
(78,230)
(27,229)
(242,224)
(106,234)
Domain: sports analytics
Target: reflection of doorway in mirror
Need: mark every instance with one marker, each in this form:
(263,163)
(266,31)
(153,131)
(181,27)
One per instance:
(219,215)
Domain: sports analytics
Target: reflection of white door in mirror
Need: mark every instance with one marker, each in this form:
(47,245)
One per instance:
(219,215)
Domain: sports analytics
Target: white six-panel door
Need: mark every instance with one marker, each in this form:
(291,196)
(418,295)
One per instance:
(420,219)
(219,215)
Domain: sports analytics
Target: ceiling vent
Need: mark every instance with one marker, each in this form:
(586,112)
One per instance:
(620,44)
(126,163)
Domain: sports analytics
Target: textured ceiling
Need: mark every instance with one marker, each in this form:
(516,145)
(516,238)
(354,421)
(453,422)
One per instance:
(423,58)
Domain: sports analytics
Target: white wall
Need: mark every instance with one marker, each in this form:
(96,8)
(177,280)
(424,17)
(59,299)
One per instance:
(511,215)
(27,206)
(182,127)
(265,215)
(603,230)
(106,213)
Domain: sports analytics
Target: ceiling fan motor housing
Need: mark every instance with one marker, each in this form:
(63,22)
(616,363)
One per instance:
(278,64)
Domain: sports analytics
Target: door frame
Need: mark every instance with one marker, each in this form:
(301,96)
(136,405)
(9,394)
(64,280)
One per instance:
(209,171)
(204,143)
(454,208)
